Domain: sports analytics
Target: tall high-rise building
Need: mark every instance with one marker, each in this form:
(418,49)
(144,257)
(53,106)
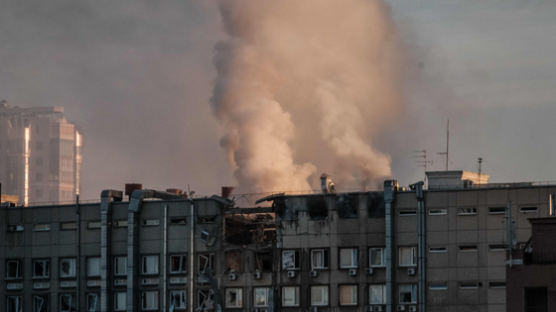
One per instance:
(40,154)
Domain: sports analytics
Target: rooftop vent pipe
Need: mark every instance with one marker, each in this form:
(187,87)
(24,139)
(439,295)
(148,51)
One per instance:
(227,191)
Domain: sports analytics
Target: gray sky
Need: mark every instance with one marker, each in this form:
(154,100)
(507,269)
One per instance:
(137,77)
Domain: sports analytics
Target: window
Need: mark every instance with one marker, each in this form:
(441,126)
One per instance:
(376,257)
(93,302)
(438,287)
(120,301)
(40,303)
(67,303)
(263,261)
(120,266)
(468,285)
(438,212)
(528,209)
(290,296)
(290,260)
(206,219)
(468,248)
(348,258)
(408,293)
(319,259)
(178,221)
(42,227)
(205,300)
(261,296)
(234,297)
(205,263)
(348,295)
(14,304)
(377,294)
(93,266)
(438,250)
(93,225)
(496,210)
(178,264)
(178,300)
(407,256)
(16,228)
(151,222)
(407,212)
(68,226)
(149,300)
(497,247)
(467,211)
(319,296)
(14,269)
(497,284)
(120,223)
(41,268)
(149,265)
(67,268)
(233,261)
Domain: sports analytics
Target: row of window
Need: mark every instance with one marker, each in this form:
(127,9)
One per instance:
(466,211)
(67,266)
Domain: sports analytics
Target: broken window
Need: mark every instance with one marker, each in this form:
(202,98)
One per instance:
(407,212)
(40,303)
(205,263)
(348,295)
(407,256)
(467,211)
(376,257)
(120,266)
(206,219)
(438,211)
(407,293)
(319,296)
(149,265)
(149,300)
(319,259)
(93,267)
(207,238)
(528,209)
(290,296)
(16,228)
(497,247)
(496,210)
(120,301)
(178,300)
(14,304)
(68,226)
(205,300)
(317,208)
(233,261)
(438,250)
(42,227)
(41,268)
(178,264)
(178,221)
(468,248)
(234,297)
(67,303)
(93,302)
(375,205)
(347,206)
(67,267)
(377,294)
(348,258)
(263,261)
(290,260)
(93,225)
(151,222)
(261,297)
(14,269)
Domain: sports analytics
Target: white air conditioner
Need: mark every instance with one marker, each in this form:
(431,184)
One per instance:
(314,273)
(412,309)
(257,274)
(411,271)
(352,272)
(370,271)
(232,276)
(401,308)
(291,274)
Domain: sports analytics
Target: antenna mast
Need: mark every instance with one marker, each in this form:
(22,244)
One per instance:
(480,161)
(447,152)
(422,160)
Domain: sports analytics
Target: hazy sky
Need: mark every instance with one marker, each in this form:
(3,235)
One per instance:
(137,75)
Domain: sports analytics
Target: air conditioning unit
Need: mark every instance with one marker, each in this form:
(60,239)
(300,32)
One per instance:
(411,271)
(375,308)
(352,272)
(291,274)
(401,308)
(257,274)
(370,271)
(412,309)
(232,276)
(379,308)
(314,273)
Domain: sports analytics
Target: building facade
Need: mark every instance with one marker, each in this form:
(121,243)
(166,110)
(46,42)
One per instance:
(439,249)
(40,154)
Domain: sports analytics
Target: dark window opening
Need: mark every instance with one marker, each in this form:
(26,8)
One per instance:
(536,299)
(375,205)
(317,208)
(263,261)
(206,219)
(233,261)
(178,221)
(346,206)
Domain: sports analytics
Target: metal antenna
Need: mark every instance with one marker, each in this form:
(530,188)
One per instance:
(422,160)
(447,152)
(480,161)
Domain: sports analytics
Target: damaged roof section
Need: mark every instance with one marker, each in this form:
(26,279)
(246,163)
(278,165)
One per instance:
(251,226)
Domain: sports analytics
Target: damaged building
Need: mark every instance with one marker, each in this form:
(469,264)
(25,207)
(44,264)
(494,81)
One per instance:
(443,248)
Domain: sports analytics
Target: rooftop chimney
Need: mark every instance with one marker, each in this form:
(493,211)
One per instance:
(227,191)
(130,187)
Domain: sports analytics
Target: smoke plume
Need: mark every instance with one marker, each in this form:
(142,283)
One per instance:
(302,86)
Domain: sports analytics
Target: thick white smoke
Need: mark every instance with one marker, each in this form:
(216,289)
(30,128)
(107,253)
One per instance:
(304,85)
